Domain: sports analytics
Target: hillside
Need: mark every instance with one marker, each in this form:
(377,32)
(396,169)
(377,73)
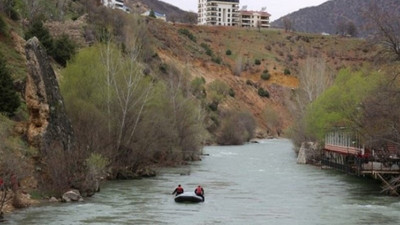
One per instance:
(328,16)
(173,13)
(276,51)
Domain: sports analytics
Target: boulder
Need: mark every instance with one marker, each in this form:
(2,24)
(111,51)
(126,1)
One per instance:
(72,195)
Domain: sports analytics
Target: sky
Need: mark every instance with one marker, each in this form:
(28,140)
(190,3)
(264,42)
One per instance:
(277,8)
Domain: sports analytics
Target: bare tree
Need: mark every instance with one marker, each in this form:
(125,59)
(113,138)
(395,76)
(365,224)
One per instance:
(314,77)
(287,24)
(386,28)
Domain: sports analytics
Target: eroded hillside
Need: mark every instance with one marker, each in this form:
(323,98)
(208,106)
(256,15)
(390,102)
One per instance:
(240,56)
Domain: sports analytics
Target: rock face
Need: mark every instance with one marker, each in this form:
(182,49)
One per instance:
(309,153)
(48,125)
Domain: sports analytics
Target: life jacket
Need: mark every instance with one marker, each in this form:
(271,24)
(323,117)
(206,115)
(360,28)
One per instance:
(198,191)
(179,190)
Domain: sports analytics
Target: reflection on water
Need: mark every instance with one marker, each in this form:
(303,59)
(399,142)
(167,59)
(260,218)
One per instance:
(251,184)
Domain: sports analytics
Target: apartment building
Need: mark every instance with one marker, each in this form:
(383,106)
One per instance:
(259,19)
(219,13)
(116,4)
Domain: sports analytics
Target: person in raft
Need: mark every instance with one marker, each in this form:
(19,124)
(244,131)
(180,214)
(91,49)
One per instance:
(178,190)
(199,191)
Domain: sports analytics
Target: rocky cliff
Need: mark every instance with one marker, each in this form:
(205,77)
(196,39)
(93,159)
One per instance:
(48,126)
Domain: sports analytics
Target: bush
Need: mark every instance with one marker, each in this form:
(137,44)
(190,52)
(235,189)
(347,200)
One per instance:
(265,76)
(286,71)
(213,106)
(206,47)
(9,99)
(188,34)
(257,62)
(3,26)
(237,128)
(37,29)
(231,93)
(64,50)
(249,82)
(263,93)
(217,59)
(228,52)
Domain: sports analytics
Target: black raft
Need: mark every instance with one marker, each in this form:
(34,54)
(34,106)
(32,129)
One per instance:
(188,197)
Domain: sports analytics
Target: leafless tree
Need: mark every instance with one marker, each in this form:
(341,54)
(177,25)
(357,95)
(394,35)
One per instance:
(314,77)
(287,24)
(386,28)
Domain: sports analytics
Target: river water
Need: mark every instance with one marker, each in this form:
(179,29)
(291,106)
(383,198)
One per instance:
(251,184)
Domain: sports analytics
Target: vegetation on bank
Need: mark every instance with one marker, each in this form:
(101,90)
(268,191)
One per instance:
(133,107)
(364,100)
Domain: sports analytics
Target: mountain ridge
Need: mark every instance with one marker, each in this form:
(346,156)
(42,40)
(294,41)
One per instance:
(328,17)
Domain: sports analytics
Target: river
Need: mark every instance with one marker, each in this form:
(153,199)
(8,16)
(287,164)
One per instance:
(251,184)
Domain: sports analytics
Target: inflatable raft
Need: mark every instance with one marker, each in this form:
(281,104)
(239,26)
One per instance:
(188,197)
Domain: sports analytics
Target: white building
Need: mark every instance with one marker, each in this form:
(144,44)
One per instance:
(218,12)
(156,14)
(115,4)
(259,19)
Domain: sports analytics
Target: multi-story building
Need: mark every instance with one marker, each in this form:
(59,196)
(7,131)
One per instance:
(218,12)
(115,4)
(259,19)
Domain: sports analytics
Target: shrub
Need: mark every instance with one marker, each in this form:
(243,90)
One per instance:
(249,82)
(237,128)
(64,49)
(163,67)
(217,59)
(231,93)
(188,34)
(213,106)
(263,93)
(9,100)
(228,52)
(257,62)
(286,71)
(37,29)
(265,75)
(206,47)
(3,26)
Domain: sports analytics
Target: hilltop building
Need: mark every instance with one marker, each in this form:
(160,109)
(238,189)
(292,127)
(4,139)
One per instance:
(259,19)
(219,13)
(227,13)
(116,4)
(156,14)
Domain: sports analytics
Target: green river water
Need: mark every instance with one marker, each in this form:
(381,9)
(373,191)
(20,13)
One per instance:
(251,184)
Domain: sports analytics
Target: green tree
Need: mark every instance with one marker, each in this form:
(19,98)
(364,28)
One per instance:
(340,105)
(38,30)
(218,90)
(152,14)
(9,99)
(64,49)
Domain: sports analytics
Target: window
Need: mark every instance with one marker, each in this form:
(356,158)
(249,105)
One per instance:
(229,10)
(219,9)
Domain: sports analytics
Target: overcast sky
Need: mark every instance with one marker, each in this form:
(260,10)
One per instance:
(277,8)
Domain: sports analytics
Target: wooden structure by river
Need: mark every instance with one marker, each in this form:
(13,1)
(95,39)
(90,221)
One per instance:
(344,151)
